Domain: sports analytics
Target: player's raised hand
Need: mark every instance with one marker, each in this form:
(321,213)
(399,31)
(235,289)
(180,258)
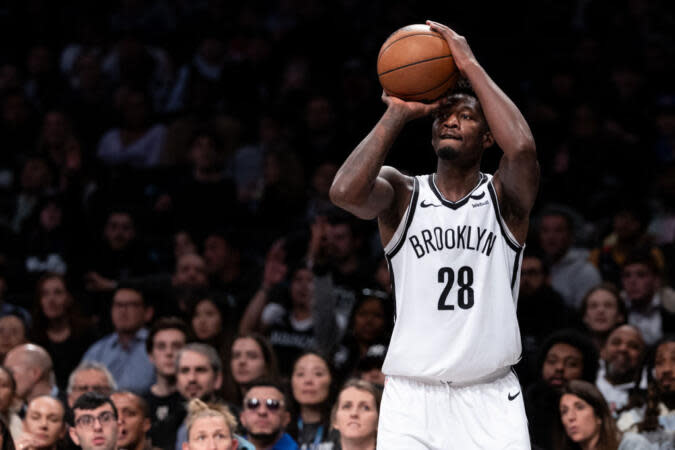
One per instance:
(461,52)
(409,109)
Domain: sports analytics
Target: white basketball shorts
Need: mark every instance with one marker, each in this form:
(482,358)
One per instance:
(417,414)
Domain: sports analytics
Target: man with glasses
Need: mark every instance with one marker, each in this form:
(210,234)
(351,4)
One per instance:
(89,376)
(93,422)
(123,352)
(265,417)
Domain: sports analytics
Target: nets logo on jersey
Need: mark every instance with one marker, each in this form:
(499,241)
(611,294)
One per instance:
(465,237)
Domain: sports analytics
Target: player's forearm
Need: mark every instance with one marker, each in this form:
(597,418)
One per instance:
(507,124)
(355,180)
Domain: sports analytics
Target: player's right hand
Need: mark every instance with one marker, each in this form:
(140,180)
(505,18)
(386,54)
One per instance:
(409,110)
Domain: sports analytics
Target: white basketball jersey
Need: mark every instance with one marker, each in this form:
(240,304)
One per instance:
(455,270)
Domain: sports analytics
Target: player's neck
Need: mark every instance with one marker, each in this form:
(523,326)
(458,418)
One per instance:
(455,183)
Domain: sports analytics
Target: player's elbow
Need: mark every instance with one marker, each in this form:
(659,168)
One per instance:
(341,195)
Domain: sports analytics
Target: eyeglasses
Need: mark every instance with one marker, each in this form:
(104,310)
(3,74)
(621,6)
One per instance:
(99,389)
(271,404)
(88,420)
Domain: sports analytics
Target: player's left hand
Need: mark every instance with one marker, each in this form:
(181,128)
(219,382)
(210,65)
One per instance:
(461,52)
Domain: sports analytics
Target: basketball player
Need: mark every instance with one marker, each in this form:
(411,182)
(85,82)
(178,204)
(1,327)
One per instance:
(454,242)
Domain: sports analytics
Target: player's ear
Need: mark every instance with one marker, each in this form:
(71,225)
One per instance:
(488,139)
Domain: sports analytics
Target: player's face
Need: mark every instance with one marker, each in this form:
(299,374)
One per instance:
(248,362)
(532,276)
(602,311)
(623,351)
(579,419)
(44,421)
(356,415)
(166,345)
(132,424)
(310,380)
(562,364)
(459,130)
(664,366)
(210,433)
(196,377)
(639,282)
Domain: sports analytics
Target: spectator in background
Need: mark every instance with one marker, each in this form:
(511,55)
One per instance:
(355,415)
(620,373)
(651,307)
(572,275)
(90,377)
(167,337)
(265,417)
(93,423)
(210,426)
(44,425)
(653,416)
(119,256)
(230,271)
(59,327)
(251,357)
(588,423)
(138,142)
(628,236)
(211,323)
(33,372)
(133,422)
(199,375)
(541,310)
(312,385)
(123,351)
(602,310)
(13,333)
(9,417)
(564,356)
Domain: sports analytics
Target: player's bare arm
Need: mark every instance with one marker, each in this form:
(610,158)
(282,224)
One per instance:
(517,179)
(366,188)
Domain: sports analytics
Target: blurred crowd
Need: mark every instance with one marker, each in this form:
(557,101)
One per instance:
(166,233)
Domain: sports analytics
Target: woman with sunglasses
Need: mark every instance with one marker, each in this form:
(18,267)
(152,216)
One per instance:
(587,424)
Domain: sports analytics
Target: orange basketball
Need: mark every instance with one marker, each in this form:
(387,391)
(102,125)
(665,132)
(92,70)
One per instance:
(415,63)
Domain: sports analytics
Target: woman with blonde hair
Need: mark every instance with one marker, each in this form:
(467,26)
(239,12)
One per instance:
(355,415)
(209,427)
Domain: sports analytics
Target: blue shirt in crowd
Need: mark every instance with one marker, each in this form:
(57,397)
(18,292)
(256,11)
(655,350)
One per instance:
(130,366)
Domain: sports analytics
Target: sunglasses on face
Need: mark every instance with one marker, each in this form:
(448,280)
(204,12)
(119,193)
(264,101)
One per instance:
(270,403)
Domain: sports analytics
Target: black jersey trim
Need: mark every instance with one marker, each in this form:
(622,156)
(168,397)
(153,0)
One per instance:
(502,226)
(516,268)
(411,213)
(393,283)
(459,203)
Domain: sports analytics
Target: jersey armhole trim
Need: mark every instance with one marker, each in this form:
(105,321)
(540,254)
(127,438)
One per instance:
(510,240)
(400,234)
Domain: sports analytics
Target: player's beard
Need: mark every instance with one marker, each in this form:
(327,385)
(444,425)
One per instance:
(448,153)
